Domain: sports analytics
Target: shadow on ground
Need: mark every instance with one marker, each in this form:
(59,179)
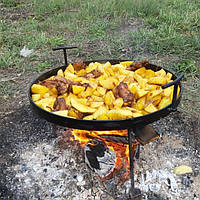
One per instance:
(18,130)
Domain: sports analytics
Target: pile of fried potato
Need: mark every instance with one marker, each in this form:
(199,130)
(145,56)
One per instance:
(95,98)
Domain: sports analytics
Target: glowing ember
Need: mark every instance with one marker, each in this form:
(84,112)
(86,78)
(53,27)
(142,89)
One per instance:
(113,141)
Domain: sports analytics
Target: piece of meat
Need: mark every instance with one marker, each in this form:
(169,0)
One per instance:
(137,64)
(49,83)
(79,65)
(62,79)
(62,88)
(122,91)
(60,104)
(62,84)
(93,74)
(59,82)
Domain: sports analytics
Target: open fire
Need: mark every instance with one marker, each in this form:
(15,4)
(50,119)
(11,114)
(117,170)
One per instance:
(114,142)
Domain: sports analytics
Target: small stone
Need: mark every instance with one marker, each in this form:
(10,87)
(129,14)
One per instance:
(45,170)
(186,181)
(79,178)
(183,169)
(78,188)
(154,187)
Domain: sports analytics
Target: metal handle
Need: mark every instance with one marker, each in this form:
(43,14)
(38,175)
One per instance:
(175,83)
(64,48)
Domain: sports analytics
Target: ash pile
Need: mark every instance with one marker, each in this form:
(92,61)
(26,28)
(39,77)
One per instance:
(59,169)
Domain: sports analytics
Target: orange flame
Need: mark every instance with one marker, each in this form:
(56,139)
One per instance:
(121,150)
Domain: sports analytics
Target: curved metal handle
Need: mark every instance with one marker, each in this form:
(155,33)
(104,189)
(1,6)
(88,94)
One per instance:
(64,48)
(175,83)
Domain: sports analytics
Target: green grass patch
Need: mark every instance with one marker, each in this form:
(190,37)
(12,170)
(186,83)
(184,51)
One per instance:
(9,3)
(171,27)
(187,67)
(174,30)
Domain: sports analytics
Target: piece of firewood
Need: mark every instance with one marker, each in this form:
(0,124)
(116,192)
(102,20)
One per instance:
(99,157)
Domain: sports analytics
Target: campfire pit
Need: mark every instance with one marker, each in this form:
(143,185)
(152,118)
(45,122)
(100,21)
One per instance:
(138,128)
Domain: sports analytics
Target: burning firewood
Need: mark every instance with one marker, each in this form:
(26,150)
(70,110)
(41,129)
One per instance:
(99,157)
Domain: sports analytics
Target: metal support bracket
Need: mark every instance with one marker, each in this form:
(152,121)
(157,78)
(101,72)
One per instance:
(175,83)
(134,193)
(64,48)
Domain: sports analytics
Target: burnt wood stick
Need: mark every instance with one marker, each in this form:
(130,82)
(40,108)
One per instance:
(116,138)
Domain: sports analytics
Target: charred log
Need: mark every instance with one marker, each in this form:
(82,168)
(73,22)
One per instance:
(116,138)
(99,157)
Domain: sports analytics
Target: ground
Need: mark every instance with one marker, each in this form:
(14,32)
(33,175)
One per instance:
(24,135)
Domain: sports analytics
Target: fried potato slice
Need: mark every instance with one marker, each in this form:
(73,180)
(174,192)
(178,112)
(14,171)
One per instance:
(126,63)
(164,102)
(95,104)
(70,76)
(75,113)
(168,77)
(63,113)
(119,114)
(38,89)
(137,114)
(149,74)
(109,98)
(150,108)
(77,89)
(154,93)
(103,117)
(141,92)
(46,103)
(141,71)
(36,97)
(168,91)
(157,80)
(142,82)
(60,73)
(152,87)
(141,103)
(156,100)
(160,73)
(101,111)
(118,103)
(101,90)
(89,117)
(70,69)
(80,107)
(108,83)
(133,87)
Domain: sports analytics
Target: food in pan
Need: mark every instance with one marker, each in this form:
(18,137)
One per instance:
(104,91)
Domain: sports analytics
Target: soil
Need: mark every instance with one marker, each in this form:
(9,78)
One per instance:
(21,130)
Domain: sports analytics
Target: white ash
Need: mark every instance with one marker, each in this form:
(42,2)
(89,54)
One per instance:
(154,172)
(46,173)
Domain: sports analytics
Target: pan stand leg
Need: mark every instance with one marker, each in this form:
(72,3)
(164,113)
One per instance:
(134,193)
